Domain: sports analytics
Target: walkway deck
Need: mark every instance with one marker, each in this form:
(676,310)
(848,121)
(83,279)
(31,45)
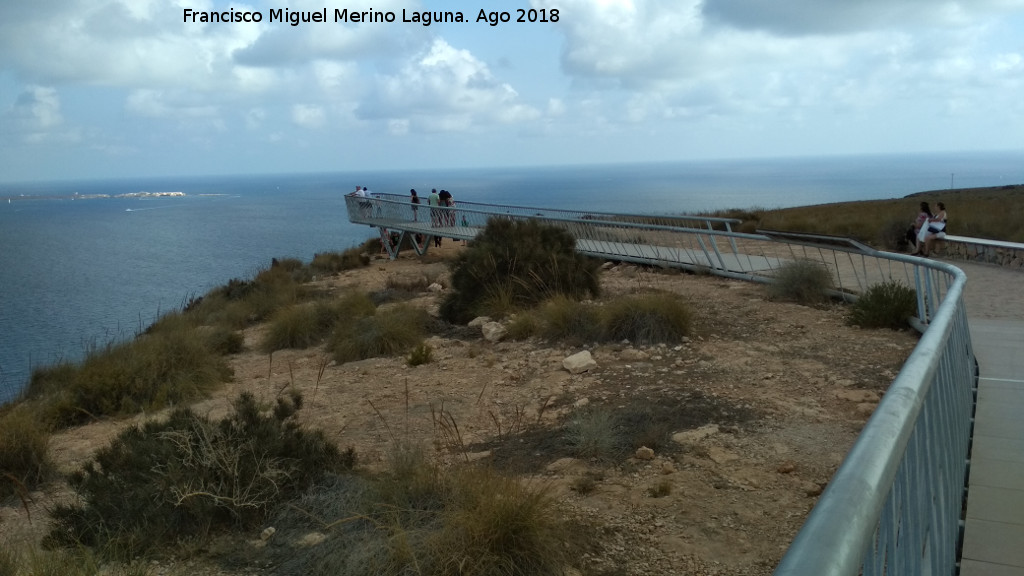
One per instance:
(994,533)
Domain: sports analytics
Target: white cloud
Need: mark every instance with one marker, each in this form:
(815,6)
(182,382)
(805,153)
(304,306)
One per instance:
(36,117)
(309,116)
(445,89)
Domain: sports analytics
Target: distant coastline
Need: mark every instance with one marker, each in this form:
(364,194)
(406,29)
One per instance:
(77,196)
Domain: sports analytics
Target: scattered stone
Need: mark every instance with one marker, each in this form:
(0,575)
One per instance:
(866,408)
(477,456)
(479,321)
(310,540)
(581,403)
(579,362)
(267,533)
(696,435)
(787,467)
(858,396)
(721,455)
(644,453)
(633,355)
(813,489)
(493,331)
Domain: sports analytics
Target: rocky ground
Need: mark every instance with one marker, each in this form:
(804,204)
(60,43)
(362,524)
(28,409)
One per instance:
(761,404)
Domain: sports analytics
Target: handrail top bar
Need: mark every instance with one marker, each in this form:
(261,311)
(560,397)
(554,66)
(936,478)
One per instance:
(405,199)
(587,221)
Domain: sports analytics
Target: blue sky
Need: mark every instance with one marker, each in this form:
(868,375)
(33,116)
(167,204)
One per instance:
(112,88)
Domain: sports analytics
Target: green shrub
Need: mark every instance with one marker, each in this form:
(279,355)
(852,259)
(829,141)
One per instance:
(24,460)
(223,341)
(334,262)
(421,354)
(150,372)
(565,319)
(420,518)
(802,281)
(648,319)
(183,478)
(387,333)
(593,433)
(886,305)
(524,325)
(521,263)
(299,326)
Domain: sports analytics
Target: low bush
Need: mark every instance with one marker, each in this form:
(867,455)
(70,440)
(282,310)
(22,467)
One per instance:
(593,433)
(420,518)
(24,459)
(517,263)
(387,333)
(802,281)
(355,257)
(886,305)
(576,322)
(523,325)
(184,478)
(648,318)
(150,372)
(421,354)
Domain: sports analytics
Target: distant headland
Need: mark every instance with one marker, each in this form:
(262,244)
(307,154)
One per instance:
(77,196)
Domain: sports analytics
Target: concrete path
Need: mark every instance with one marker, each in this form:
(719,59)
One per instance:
(994,533)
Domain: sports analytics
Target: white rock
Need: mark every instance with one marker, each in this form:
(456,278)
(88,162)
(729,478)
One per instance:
(267,533)
(696,435)
(435,287)
(579,362)
(479,321)
(493,331)
(310,540)
(633,355)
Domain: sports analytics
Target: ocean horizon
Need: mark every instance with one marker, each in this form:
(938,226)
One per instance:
(85,263)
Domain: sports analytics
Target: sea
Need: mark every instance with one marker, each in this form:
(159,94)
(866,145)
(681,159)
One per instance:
(86,263)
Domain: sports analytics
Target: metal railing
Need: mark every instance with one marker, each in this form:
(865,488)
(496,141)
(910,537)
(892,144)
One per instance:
(894,505)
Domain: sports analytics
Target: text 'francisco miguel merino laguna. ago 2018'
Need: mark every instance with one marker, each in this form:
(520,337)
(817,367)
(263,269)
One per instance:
(425,18)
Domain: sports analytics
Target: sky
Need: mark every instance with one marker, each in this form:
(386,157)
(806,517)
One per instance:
(129,88)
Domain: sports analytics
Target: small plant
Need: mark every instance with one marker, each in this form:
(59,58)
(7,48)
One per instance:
(660,489)
(187,476)
(388,333)
(648,319)
(24,457)
(565,319)
(592,433)
(524,325)
(886,305)
(586,483)
(421,354)
(802,281)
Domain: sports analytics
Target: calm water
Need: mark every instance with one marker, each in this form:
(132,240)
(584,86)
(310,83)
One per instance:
(79,273)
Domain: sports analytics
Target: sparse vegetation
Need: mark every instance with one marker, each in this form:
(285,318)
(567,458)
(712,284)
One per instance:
(421,354)
(388,333)
(24,460)
(648,318)
(516,264)
(167,366)
(993,212)
(886,305)
(592,433)
(802,281)
(421,518)
(186,477)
